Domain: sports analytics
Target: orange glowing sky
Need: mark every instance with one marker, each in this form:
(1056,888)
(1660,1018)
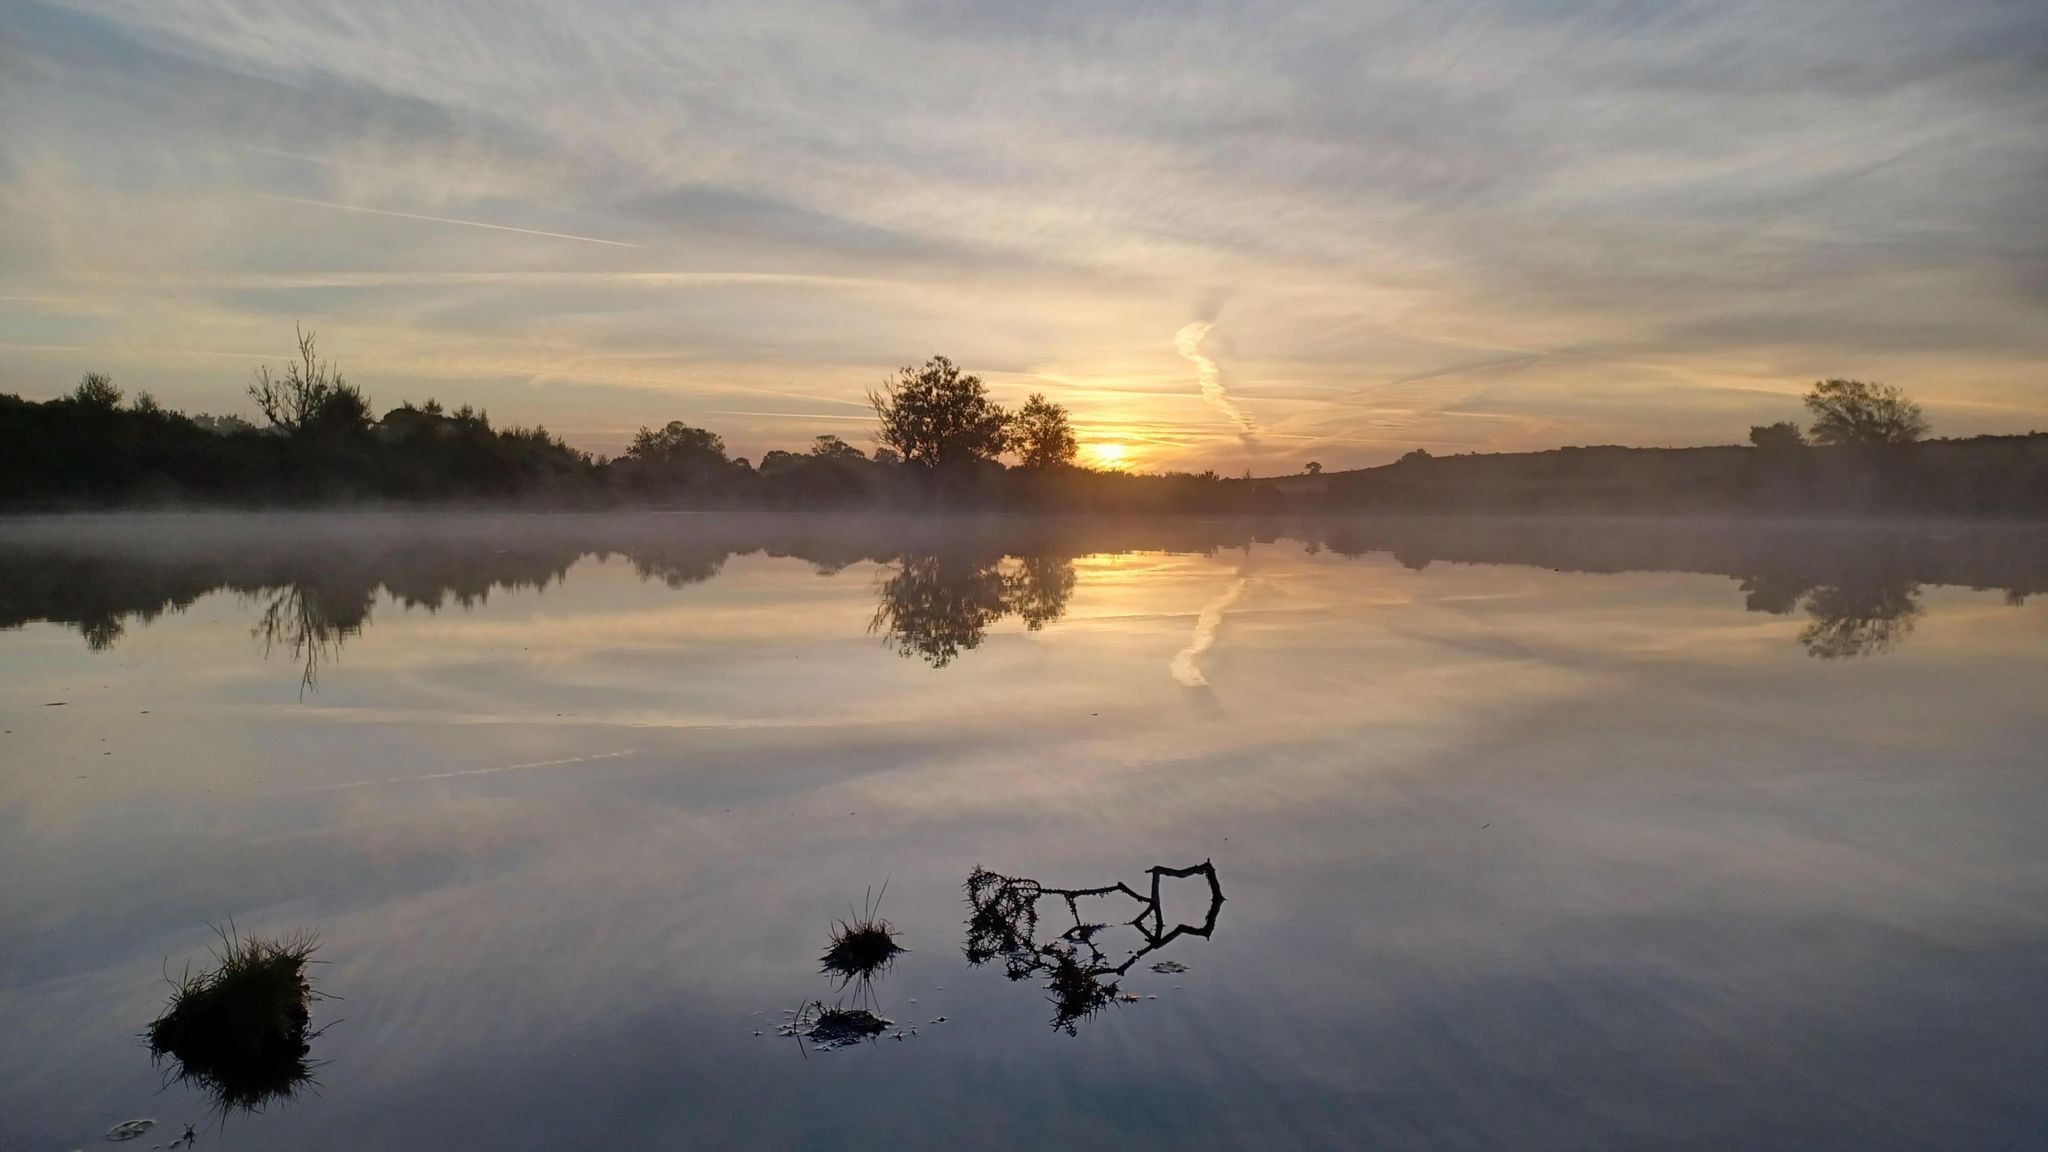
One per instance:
(1229,236)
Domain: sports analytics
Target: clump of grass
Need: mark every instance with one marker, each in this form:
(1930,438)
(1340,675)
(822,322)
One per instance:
(863,945)
(241,1031)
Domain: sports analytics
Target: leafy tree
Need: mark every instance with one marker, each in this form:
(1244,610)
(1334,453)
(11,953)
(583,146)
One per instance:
(1041,434)
(1777,437)
(1857,412)
(1313,468)
(1414,456)
(311,397)
(678,443)
(829,447)
(938,416)
(221,425)
(97,390)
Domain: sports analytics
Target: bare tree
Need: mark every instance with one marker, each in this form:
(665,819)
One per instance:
(311,395)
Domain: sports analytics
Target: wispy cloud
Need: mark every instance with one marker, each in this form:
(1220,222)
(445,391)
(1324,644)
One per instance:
(1501,225)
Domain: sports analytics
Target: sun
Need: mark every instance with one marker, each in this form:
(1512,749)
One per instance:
(1109,454)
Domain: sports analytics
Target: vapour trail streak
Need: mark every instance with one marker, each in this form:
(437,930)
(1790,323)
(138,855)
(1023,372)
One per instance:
(446,220)
(1188,342)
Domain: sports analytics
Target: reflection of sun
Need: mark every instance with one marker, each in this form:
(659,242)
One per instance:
(1109,454)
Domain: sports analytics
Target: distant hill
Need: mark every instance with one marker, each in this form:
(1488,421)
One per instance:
(1983,475)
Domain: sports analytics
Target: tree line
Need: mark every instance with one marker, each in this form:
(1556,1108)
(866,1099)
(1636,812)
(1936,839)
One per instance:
(940,441)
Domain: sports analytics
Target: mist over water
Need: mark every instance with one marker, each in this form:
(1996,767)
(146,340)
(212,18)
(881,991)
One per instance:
(1534,833)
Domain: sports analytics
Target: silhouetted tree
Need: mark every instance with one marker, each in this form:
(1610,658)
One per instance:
(775,462)
(311,397)
(1041,434)
(1313,468)
(1857,412)
(677,443)
(829,447)
(97,390)
(938,416)
(1777,437)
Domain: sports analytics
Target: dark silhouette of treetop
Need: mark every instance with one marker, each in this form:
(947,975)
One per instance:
(311,397)
(1777,437)
(1041,434)
(677,443)
(97,390)
(829,447)
(937,416)
(1858,412)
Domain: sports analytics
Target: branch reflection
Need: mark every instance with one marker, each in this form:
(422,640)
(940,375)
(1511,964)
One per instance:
(1003,921)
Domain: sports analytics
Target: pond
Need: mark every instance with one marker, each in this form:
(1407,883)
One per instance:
(1535,834)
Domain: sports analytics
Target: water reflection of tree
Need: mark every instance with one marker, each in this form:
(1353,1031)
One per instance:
(936,606)
(1079,978)
(947,584)
(1862,616)
(1859,620)
(312,622)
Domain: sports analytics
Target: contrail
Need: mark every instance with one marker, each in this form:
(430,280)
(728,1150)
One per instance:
(1188,342)
(1185,666)
(447,220)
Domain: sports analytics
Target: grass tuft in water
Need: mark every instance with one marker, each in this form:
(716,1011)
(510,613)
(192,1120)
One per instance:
(241,1031)
(862,945)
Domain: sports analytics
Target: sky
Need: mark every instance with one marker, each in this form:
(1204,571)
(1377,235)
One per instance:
(1230,235)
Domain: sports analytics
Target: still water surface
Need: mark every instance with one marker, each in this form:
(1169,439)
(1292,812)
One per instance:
(1575,834)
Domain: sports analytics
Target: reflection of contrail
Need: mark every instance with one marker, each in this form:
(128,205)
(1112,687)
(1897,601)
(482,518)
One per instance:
(447,220)
(1188,342)
(468,772)
(1184,666)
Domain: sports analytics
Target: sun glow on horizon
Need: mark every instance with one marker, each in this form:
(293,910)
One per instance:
(1108,454)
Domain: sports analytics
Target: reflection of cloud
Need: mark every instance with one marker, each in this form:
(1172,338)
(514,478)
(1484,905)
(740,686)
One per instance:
(1185,666)
(1188,342)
